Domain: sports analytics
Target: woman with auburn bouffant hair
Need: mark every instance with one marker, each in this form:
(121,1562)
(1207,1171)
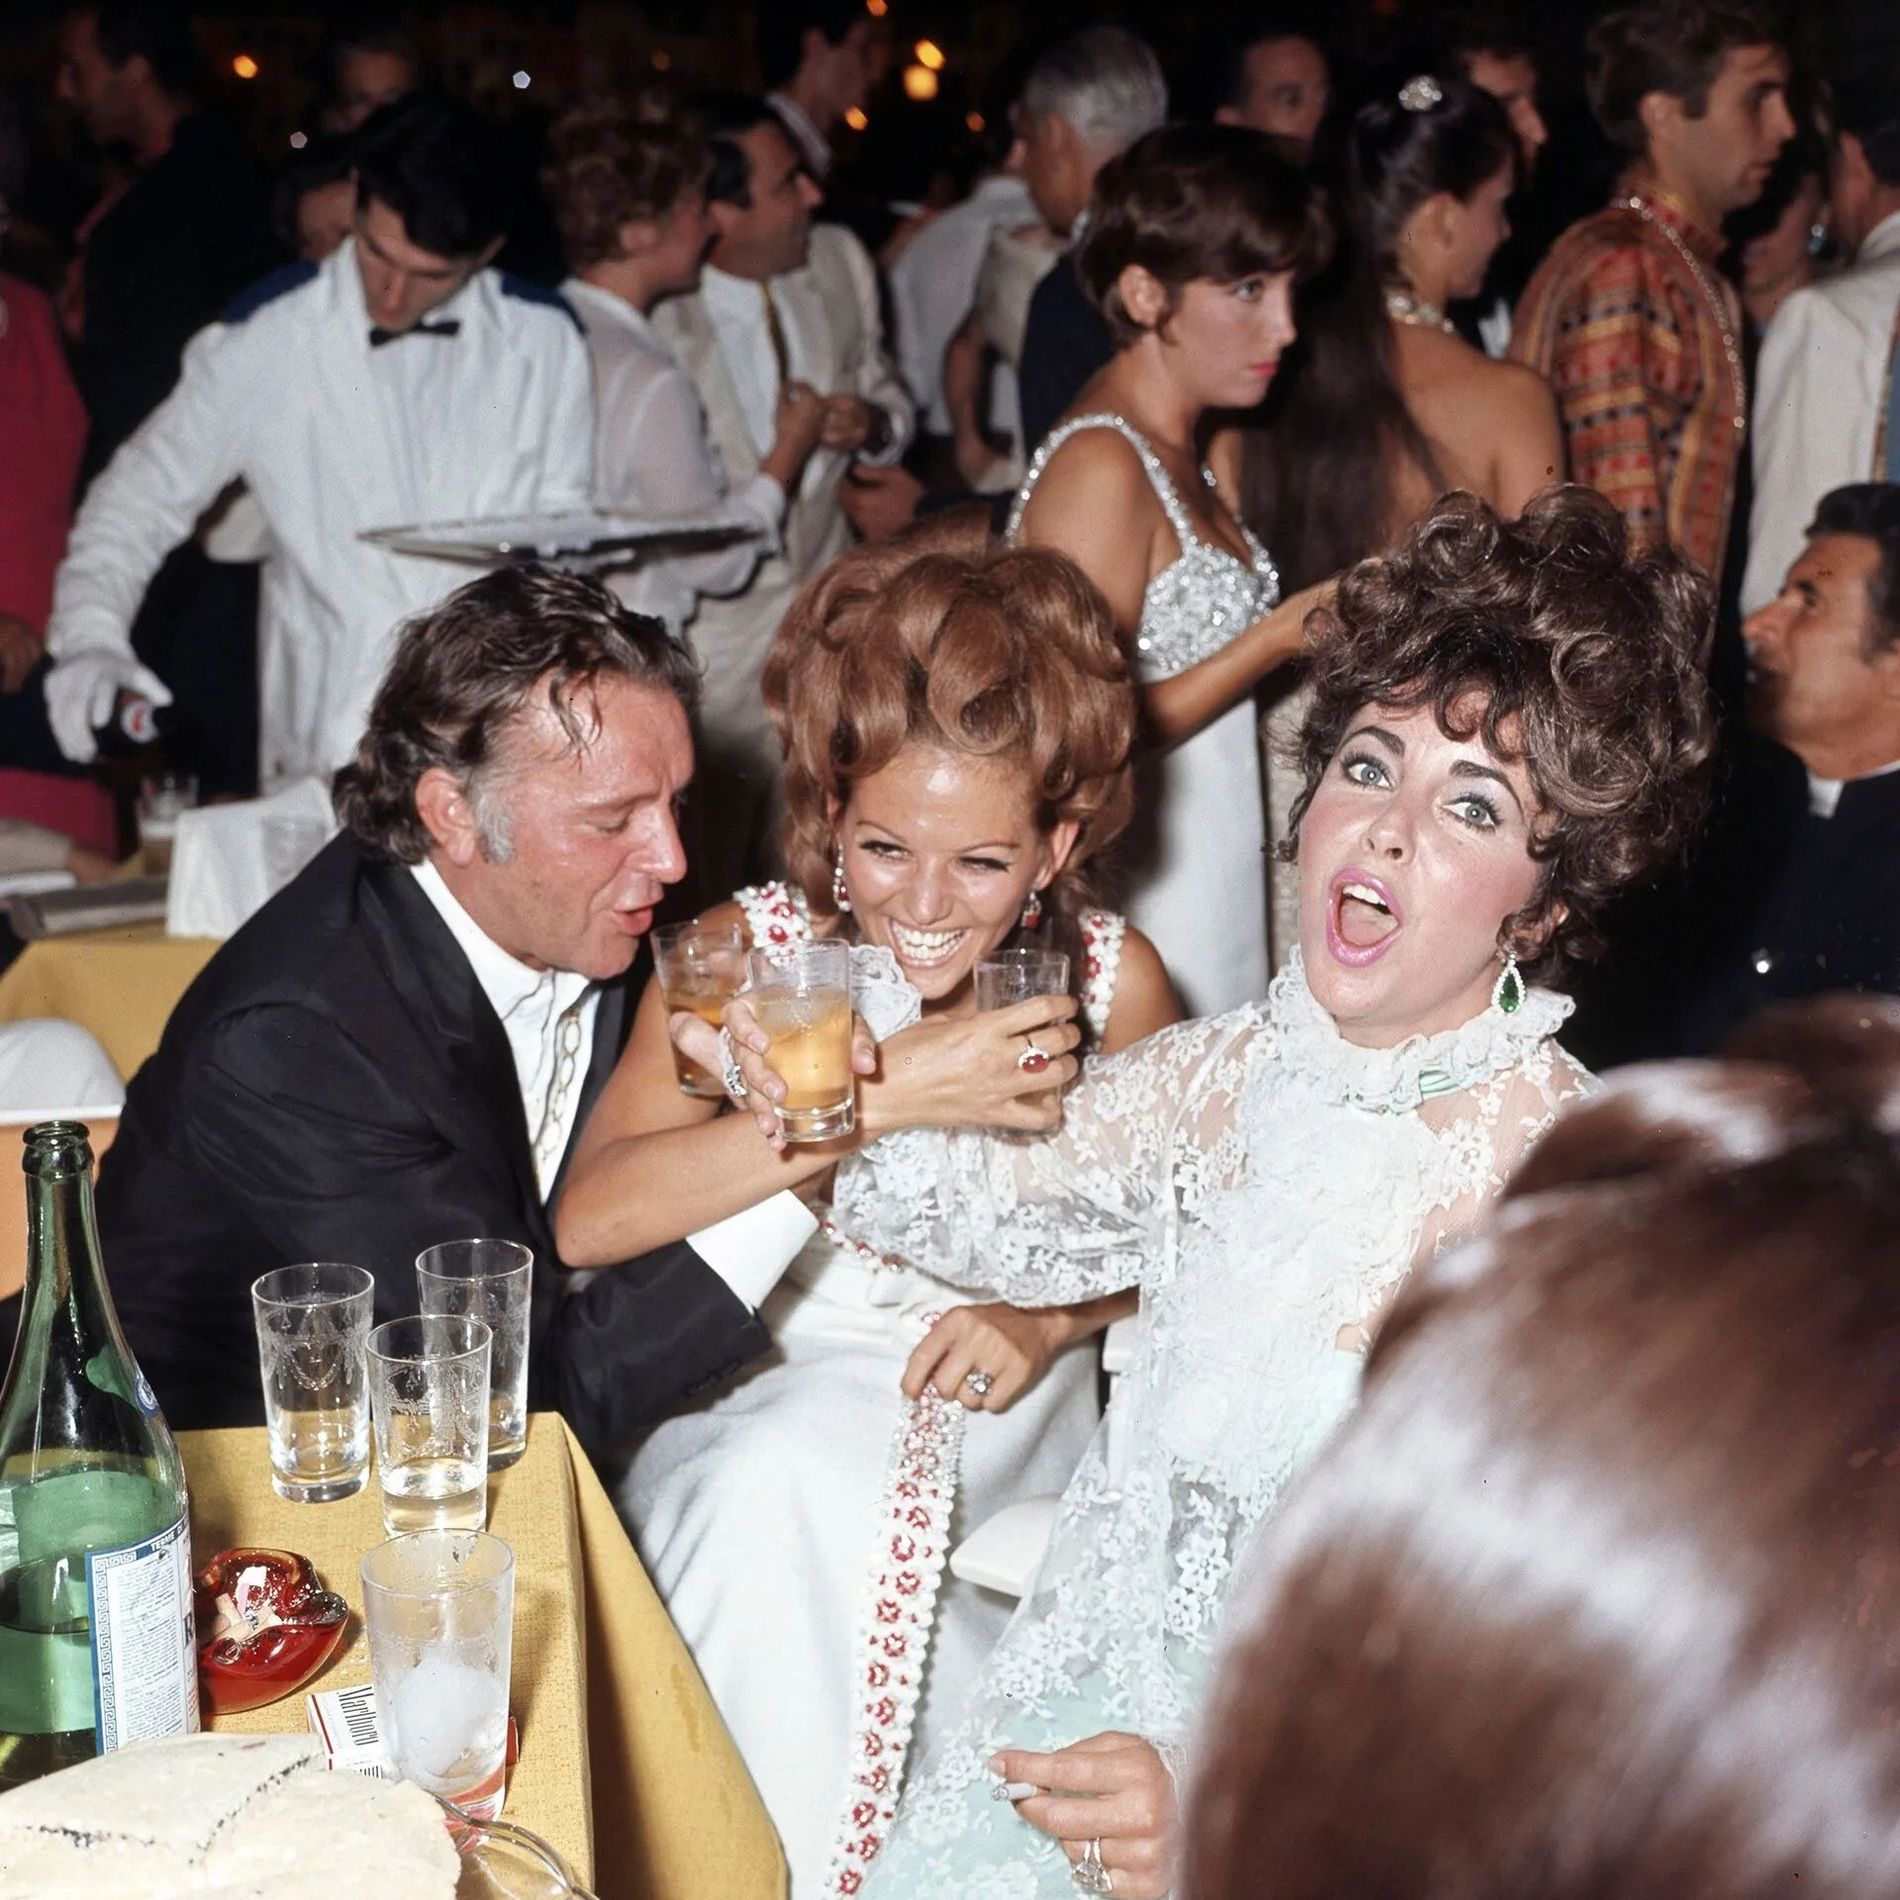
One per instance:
(1509,725)
(1596,1594)
(957,723)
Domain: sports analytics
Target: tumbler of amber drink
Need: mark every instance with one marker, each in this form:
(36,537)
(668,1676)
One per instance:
(801,998)
(701,966)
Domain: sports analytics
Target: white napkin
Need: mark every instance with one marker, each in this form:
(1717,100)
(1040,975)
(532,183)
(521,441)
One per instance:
(227,860)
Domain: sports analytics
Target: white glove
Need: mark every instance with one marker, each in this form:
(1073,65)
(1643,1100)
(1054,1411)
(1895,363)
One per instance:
(81,689)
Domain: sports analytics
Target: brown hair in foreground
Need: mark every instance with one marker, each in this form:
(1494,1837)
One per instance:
(464,673)
(941,639)
(1550,640)
(1597,1596)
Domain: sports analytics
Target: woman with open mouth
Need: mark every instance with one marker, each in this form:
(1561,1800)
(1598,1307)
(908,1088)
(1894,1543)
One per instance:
(1509,726)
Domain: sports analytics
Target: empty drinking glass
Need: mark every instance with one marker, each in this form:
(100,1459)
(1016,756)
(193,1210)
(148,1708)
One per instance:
(429,1394)
(439,1609)
(312,1327)
(490,1280)
(163,798)
(1013,976)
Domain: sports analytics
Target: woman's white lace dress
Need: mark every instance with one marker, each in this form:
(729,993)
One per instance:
(1269,1184)
(796,1523)
(1196,854)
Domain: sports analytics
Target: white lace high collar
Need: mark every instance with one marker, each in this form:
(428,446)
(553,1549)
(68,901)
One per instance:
(1397,1080)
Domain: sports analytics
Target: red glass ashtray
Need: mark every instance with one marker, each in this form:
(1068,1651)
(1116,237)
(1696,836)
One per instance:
(266,1625)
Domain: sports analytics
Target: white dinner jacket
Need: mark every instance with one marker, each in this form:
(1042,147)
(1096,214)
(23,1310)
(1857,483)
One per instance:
(285,392)
(832,305)
(1819,391)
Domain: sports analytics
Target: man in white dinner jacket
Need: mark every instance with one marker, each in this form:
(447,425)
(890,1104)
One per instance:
(1824,387)
(400,381)
(779,300)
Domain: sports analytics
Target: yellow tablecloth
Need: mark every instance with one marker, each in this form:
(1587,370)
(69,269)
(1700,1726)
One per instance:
(121,984)
(625,1766)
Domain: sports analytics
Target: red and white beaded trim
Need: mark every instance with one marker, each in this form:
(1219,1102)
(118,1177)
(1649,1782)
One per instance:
(893,1642)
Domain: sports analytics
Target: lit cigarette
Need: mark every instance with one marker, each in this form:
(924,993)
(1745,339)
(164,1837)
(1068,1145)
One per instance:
(1014,1791)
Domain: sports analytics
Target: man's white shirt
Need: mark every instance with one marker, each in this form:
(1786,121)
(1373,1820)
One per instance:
(653,456)
(334,437)
(735,306)
(1818,399)
(748,1250)
(1824,794)
(933,284)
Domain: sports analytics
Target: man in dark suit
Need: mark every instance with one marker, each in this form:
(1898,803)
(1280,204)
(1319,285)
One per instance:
(158,261)
(1797,890)
(1085,101)
(398,1048)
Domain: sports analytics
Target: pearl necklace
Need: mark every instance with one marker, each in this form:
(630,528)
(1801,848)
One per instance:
(1402,307)
(1739,387)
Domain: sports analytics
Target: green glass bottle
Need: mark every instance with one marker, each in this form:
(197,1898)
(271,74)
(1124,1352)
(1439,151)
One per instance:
(96,1638)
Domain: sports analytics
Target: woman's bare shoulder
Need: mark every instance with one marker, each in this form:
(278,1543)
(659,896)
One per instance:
(1508,387)
(1102,460)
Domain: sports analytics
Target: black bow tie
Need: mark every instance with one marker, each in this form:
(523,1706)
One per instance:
(378,336)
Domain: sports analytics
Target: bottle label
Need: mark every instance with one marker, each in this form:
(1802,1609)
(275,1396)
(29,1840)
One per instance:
(144,1656)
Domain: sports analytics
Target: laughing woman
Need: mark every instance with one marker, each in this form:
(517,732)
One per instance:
(957,726)
(1509,725)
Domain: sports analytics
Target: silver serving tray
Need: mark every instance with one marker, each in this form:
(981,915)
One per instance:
(587,538)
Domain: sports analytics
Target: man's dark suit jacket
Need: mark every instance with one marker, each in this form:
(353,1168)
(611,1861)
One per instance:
(335,1086)
(1065,341)
(1818,900)
(1778,904)
(191,230)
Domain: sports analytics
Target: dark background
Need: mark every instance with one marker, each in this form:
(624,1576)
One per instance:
(912,152)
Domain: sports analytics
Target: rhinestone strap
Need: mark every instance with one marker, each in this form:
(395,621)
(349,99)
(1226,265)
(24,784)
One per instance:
(1737,384)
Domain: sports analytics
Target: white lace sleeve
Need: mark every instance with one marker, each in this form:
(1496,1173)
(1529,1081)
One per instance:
(1088,1210)
(1490,1129)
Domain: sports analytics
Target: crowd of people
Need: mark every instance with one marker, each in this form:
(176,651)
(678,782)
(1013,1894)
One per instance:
(1401,672)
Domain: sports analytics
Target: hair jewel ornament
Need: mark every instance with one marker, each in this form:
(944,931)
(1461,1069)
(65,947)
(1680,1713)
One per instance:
(1421,93)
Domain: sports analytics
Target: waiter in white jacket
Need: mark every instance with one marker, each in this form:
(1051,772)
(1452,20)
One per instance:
(400,381)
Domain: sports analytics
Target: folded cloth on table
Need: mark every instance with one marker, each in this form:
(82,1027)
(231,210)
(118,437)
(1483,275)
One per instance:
(55,1071)
(227,860)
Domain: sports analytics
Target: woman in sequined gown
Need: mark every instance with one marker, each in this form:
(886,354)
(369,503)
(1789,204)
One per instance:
(1194,240)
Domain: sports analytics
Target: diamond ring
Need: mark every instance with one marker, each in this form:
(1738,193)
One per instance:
(1089,1874)
(732,1075)
(979,1381)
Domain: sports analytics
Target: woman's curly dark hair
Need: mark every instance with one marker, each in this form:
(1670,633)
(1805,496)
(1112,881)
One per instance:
(1549,640)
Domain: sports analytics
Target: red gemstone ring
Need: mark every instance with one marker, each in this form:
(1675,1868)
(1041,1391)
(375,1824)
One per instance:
(1032,1061)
